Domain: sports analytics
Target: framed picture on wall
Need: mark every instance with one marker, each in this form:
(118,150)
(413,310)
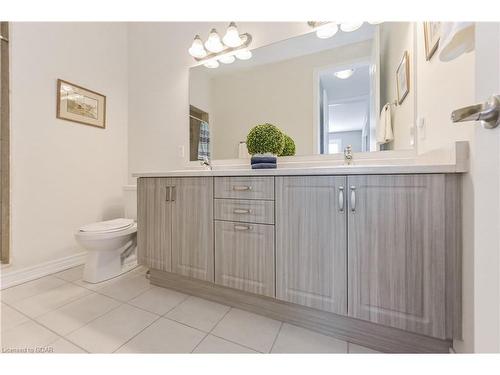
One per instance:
(403,78)
(432,32)
(78,104)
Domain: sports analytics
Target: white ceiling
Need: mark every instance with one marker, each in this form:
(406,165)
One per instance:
(340,89)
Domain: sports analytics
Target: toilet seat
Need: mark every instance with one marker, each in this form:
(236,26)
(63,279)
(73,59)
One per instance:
(108,226)
(107,230)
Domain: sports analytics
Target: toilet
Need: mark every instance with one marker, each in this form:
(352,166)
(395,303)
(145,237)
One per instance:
(112,244)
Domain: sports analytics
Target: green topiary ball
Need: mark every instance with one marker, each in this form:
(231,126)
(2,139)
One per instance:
(289,149)
(265,138)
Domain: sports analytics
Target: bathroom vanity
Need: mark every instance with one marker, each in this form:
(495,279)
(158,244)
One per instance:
(370,254)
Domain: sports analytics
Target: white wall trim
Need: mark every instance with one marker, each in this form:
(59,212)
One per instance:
(23,275)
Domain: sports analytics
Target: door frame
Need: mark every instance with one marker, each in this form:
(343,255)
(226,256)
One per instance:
(4,146)
(485,175)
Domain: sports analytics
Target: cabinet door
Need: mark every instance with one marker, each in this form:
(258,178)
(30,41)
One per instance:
(244,256)
(397,251)
(311,242)
(192,227)
(154,223)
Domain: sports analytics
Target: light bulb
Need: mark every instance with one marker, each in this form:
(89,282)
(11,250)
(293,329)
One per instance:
(327,31)
(232,37)
(350,26)
(213,43)
(244,54)
(227,59)
(212,64)
(344,74)
(197,49)
(375,22)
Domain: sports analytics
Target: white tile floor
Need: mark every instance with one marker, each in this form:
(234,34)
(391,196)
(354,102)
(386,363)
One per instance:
(63,314)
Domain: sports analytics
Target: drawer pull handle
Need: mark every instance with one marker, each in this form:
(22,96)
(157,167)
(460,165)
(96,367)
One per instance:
(241,211)
(242,227)
(353,198)
(341,199)
(241,188)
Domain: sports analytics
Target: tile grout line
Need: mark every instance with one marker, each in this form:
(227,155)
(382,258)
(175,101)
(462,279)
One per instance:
(215,325)
(276,338)
(138,333)
(49,329)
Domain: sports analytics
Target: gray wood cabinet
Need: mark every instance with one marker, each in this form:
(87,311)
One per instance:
(175,227)
(154,223)
(244,254)
(311,259)
(192,227)
(397,251)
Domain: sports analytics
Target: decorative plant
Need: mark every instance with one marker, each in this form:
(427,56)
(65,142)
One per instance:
(265,138)
(289,149)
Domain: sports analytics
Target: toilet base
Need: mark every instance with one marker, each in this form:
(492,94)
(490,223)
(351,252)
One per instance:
(104,265)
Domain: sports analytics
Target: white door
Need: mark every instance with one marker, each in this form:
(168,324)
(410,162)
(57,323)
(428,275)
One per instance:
(485,173)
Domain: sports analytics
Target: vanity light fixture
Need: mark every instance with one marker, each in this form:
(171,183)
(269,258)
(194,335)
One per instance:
(232,46)
(197,50)
(344,74)
(328,29)
(244,54)
(347,27)
(213,43)
(232,37)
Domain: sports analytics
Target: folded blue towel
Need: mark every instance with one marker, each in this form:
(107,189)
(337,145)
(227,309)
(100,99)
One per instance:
(264,166)
(263,159)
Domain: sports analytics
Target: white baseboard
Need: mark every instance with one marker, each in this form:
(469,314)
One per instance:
(19,276)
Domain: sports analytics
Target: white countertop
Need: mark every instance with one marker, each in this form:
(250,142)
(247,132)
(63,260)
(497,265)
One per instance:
(453,160)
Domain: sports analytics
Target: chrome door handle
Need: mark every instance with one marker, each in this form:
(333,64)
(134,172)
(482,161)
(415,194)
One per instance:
(341,199)
(168,193)
(173,193)
(242,188)
(488,113)
(241,211)
(353,198)
(242,227)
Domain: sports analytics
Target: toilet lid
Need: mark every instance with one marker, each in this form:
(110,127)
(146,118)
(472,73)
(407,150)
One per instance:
(108,226)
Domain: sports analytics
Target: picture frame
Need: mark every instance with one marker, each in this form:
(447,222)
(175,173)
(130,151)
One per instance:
(432,33)
(403,77)
(81,105)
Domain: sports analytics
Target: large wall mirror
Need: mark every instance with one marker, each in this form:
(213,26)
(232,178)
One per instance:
(355,88)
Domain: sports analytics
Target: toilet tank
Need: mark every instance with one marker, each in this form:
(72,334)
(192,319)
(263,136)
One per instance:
(130,200)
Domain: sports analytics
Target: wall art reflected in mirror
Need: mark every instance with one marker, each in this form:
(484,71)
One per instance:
(325,93)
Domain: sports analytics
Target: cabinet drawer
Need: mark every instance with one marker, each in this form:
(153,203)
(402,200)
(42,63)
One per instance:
(244,187)
(249,211)
(244,256)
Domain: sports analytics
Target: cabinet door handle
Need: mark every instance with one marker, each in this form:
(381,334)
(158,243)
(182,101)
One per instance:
(241,188)
(242,227)
(173,194)
(353,198)
(241,211)
(168,193)
(341,199)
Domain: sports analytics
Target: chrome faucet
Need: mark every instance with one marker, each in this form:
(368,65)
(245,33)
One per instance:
(348,155)
(206,162)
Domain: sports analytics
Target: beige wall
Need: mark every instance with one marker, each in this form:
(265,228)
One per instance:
(280,93)
(395,39)
(443,87)
(64,174)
